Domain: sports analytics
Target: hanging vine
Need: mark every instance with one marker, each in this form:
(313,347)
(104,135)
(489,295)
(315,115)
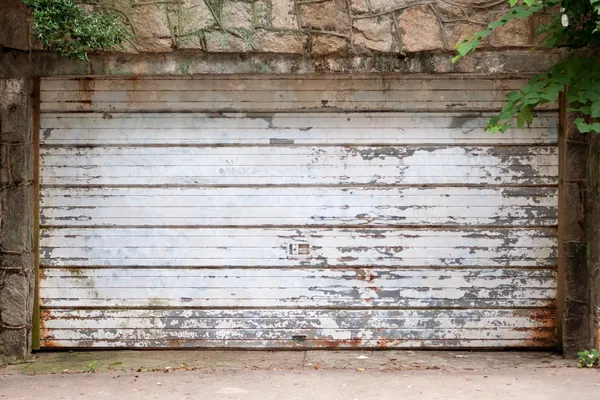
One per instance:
(66,28)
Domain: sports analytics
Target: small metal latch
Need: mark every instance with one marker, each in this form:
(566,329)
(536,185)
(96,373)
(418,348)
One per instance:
(299,249)
(298,338)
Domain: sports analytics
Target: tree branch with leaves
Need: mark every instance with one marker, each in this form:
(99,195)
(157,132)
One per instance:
(575,28)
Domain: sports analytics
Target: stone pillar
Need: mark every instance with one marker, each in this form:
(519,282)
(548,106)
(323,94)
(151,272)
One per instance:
(17,269)
(593,234)
(574,282)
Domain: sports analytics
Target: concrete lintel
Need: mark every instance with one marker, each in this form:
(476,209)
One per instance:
(505,63)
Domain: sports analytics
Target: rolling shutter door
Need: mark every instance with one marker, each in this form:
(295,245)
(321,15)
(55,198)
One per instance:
(279,212)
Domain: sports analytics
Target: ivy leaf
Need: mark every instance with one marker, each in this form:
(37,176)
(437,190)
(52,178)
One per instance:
(551,93)
(523,117)
(585,127)
(595,109)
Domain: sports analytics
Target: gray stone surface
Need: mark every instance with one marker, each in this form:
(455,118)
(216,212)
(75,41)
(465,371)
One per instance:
(492,64)
(374,33)
(420,29)
(330,15)
(216,360)
(237,15)
(327,44)
(16,222)
(420,26)
(296,375)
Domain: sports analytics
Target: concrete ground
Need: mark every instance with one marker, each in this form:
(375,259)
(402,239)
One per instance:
(330,375)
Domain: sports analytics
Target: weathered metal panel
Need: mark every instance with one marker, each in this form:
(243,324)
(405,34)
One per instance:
(325,128)
(409,165)
(344,288)
(294,328)
(248,212)
(313,83)
(294,206)
(257,93)
(274,247)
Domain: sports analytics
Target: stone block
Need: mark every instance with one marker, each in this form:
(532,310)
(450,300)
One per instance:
(326,44)
(154,44)
(359,6)
(279,42)
(380,6)
(17,164)
(192,18)
(16,119)
(452,13)
(262,13)
(517,33)
(283,14)
(190,42)
(14,344)
(14,25)
(420,30)
(574,213)
(16,234)
(237,15)
(576,271)
(150,21)
(328,15)
(14,299)
(224,42)
(457,31)
(374,33)
(576,160)
(576,328)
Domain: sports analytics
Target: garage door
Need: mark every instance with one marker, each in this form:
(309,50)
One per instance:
(279,212)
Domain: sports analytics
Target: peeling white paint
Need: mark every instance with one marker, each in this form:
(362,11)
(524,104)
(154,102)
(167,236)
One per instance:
(285,213)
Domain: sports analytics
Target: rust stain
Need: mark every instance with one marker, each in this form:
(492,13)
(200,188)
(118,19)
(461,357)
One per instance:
(85,92)
(332,344)
(364,274)
(543,318)
(131,92)
(173,343)
(49,343)
(46,339)
(83,101)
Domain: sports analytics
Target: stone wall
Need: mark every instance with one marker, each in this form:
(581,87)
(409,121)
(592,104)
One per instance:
(182,37)
(313,27)
(17,276)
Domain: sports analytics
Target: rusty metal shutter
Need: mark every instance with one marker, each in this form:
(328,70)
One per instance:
(286,212)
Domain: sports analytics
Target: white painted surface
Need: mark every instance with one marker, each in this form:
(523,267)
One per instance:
(270,165)
(244,212)
(268,206)
(322,128)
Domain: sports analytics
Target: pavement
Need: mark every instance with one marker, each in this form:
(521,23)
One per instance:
(291,375)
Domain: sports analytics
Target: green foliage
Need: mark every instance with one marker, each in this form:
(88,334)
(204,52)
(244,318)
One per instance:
(575,29)
(587,358)
(92,366)
(64,27)
(521,11)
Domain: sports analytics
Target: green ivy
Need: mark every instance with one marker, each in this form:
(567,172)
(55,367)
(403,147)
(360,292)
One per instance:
(63,26)
(587,358)
(575,29)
